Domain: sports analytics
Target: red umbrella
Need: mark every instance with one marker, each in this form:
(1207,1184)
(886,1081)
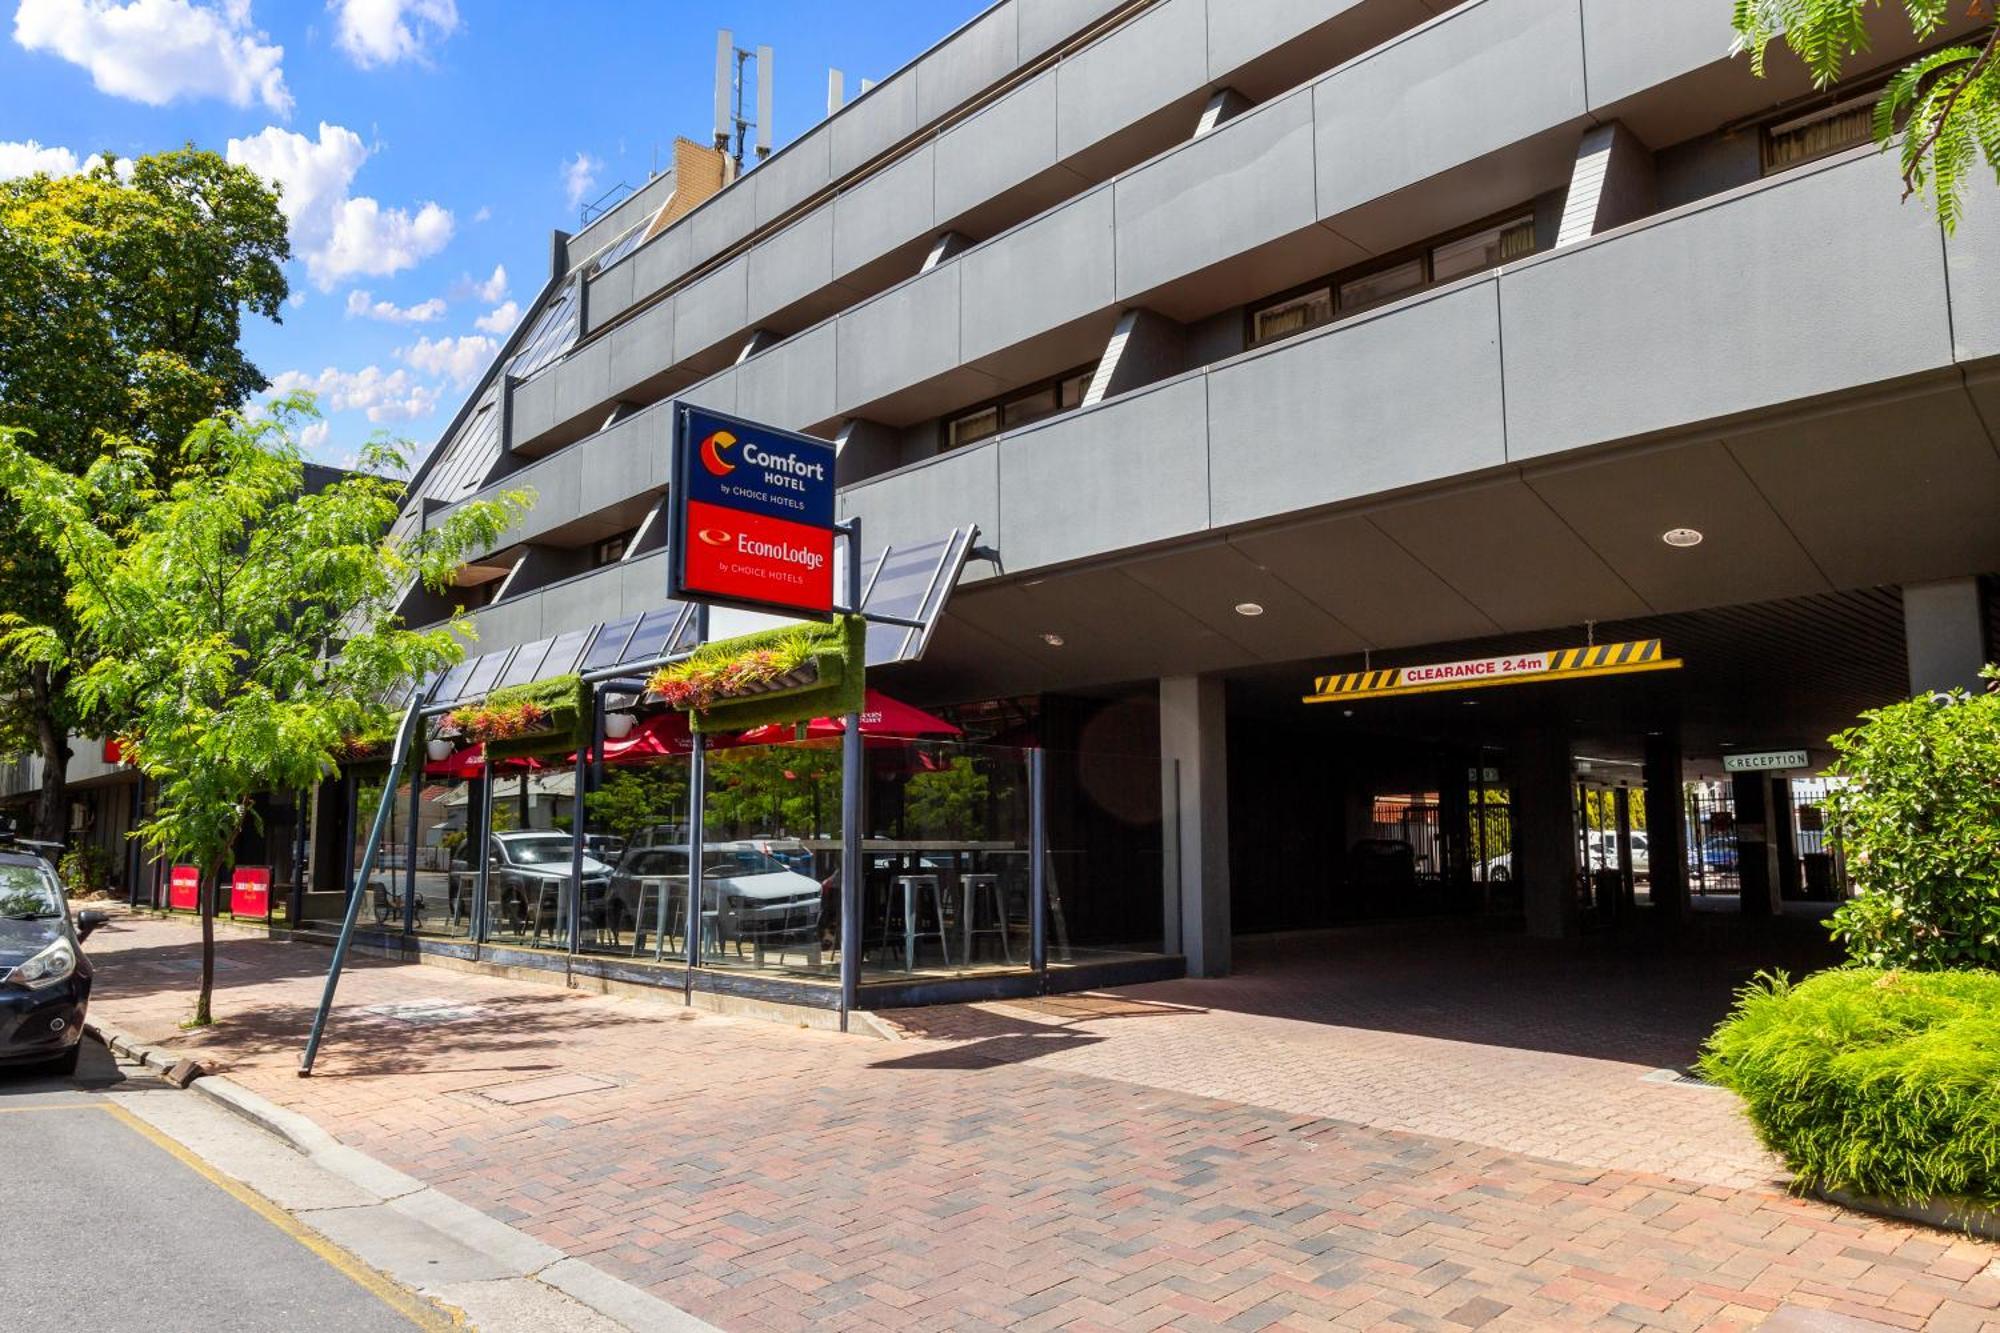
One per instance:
(880,716)
(655,737)
(467,762)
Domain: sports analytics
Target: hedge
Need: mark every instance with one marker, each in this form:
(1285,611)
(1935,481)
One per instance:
(1872,1082)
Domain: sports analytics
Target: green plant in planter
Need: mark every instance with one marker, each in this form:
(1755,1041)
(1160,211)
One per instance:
(779,675)
(1879,1083)
(526,719)
(1919,824)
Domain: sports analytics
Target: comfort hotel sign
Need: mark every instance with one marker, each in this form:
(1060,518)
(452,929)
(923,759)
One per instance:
(1602,659)
(752,516)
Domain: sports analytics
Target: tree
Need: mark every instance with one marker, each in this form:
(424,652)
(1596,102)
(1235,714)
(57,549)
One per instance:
(1919,824)
(1946,103)
(948,802)
(633,800)
(242,631)
(121,306)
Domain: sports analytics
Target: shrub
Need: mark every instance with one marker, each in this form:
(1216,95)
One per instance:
(1878,1083)
(85,868)
(1919,823)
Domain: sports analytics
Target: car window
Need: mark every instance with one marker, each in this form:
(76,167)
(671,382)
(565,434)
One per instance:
(27,893)
(733,861)
(553,849)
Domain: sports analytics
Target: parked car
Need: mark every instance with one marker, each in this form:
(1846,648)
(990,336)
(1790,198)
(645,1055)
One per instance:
(753,896)
(1715,854)
(527,870)
(44,976)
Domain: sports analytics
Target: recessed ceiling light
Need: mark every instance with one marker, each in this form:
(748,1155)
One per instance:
(1053,640)
(1681,537)
(1249,609)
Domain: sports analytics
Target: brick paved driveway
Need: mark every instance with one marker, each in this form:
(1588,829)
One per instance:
(767,1177)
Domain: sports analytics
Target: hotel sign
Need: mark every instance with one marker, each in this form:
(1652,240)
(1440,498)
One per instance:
(1602,659)
(752,516)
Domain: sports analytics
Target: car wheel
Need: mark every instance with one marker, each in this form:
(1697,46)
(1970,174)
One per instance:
(65,1064)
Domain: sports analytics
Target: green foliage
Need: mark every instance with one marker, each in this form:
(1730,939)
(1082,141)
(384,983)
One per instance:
(776,789)
(1946,103)
(1919,823)
(121,307)
(840,649)
(1885,1084)
(85,868)
(637,798)
(238,627)
(949,802)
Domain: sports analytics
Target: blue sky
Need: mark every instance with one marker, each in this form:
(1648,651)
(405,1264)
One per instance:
(428,146)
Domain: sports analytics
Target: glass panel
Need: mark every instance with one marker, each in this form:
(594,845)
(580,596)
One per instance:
(914,582)
(1074,388)
(382,907)
(770,860)
(1483,250)
(525,667)
(634,896)
(608,648)
(485,671)
(1848,125)
(1386,285)
(528,857)
(453,684)
(564,652)
(1292,316)
(975,426)
(650,638)
(1029,407)
(445,877)
(1105,839)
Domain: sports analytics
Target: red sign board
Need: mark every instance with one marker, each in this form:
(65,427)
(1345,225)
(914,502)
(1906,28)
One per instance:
(114,753)
(184,888)
(740,556)
(250,892)
(752,516)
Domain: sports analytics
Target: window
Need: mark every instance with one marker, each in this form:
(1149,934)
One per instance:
(1845,124)
(1036,402)
(1293,316)
(1458,254)
(612,549)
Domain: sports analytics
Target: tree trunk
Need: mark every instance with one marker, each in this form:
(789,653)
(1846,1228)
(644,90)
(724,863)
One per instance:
(52,808)
(211,886)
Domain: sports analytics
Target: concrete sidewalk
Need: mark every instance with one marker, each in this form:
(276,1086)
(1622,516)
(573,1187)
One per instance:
(758,1176)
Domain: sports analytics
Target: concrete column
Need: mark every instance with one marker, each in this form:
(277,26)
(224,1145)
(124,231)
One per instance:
(1545,832)
(1944,633)
(1144,347)
(1611,184)
(1194,786)
(948,245)
(1223,105)
(1756,848)
(1666,830)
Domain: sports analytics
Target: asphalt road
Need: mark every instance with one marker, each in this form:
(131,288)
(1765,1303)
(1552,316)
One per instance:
(108,1224)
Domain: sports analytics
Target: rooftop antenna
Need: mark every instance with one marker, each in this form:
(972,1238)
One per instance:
(836,91)
(732,120)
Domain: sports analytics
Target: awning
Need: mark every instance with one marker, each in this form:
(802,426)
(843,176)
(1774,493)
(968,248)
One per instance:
(880,716)
(468,761)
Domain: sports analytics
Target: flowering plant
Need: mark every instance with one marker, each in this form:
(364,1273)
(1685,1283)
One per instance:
(499,722)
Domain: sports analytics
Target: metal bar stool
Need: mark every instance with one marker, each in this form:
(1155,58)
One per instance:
(983,890)
(913,888)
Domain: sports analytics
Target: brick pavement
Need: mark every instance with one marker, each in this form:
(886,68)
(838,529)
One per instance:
(765,1177)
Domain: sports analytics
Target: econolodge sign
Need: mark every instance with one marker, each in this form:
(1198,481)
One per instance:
(250,892)
(184,888)
(752,516)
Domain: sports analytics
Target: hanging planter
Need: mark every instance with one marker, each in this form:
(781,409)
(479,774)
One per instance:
(523,719)
(779,675)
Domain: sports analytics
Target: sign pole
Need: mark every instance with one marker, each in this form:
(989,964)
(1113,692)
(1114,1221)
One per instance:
(697,817)
(851,760)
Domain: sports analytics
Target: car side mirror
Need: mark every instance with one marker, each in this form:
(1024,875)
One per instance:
(87,922)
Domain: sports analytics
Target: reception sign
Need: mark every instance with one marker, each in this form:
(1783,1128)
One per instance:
(184,888)
(250,892)
(752,516)
(1601,659)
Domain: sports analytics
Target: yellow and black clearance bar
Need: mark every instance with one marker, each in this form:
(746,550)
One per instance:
(1603,659)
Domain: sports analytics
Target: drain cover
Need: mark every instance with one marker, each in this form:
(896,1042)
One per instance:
(1684,1077)
(542,1089)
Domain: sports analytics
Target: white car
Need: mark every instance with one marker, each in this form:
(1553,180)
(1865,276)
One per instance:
(752,895)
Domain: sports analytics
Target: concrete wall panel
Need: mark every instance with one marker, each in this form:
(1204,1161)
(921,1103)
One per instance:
(977,56)
(1630,48)
(1153,60)
(721,222)
(1489,75)
(1246,183)
(1409,396)
(1040,275)
(918,503)
(791,266)
(1972,261)
(1721,309)
(792,384)
(1003,145)
(1048,23)
(711,309)
(1238,33)
(886,114)
(804,166)
(1132,472)
(902,337)
(890,208)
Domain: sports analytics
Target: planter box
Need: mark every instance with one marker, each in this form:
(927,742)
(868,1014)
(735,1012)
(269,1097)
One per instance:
(1959,1215)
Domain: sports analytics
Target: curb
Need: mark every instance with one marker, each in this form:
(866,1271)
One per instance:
(1954,1215)
(610,1297)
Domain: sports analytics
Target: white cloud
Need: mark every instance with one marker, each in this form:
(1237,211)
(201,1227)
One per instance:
(156,51)
(500,319)
(295,300)
(580,177)
(458,359)
(363,305)
(338,234)
(25,159)
(392,395)
(484,214)
(315,435)
(382,32)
